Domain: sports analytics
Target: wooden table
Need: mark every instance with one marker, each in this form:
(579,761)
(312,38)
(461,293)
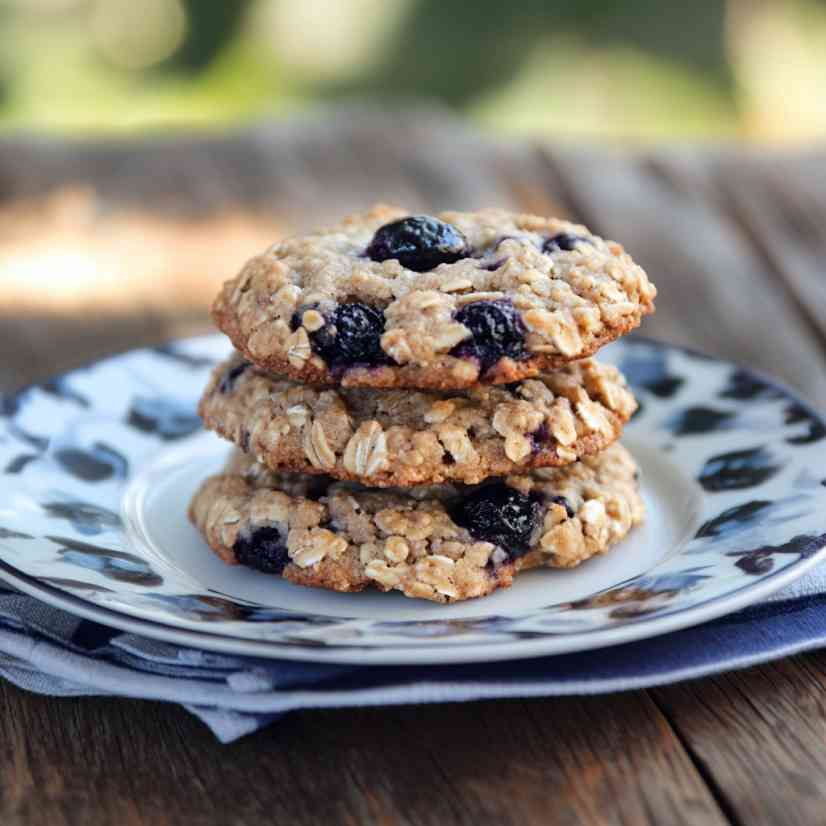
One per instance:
(735,240)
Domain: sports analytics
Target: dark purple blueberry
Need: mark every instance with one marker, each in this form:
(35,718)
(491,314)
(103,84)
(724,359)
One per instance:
(499,514)
(227,383)
(494,265)
(561,500)
(264,550)
(317,487)
(539,437)
(352,335)
(566,241)
(497,331)
(419,243)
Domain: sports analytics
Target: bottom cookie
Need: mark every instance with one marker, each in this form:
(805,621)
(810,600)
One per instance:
(443,543)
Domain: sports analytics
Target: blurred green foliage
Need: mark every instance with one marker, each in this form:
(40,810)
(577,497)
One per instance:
(641,69)
(456,51)
(212,25)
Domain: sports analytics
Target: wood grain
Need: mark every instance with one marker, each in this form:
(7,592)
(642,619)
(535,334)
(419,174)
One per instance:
(716,290)
(781,203)
(566,761)
(759,736)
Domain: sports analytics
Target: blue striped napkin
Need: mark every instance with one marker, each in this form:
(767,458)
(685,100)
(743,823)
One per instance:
(49,651)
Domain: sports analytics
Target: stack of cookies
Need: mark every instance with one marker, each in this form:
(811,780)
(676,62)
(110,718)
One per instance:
(415,407)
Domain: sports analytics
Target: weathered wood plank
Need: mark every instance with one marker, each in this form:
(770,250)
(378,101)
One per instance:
(717,292)
(781,202)
(759,735)
(565,761)
(311,168)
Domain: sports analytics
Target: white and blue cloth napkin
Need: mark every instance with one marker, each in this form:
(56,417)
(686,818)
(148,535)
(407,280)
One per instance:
(49,651)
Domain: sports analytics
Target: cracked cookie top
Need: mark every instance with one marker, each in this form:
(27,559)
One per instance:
(390,299)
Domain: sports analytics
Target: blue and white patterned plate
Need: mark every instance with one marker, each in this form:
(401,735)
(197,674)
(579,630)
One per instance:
(97,467)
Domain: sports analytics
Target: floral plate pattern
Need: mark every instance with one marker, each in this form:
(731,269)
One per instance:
(96,467)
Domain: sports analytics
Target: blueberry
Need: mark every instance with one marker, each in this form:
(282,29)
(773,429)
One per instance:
(352,335)
(561,500)
(494,265)
(564,241)
(234,371)
(419,243)
(264,550)
(497,331)
(499,514)
(539,437)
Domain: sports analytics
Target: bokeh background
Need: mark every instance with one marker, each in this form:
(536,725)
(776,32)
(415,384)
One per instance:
(149,147)
(646,70)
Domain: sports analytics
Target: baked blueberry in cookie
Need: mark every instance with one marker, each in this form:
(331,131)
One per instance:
(350,335)
(496,331)
(561,500)
(566,241)
(263,550)
(232,374)
(499,514)
(419,243)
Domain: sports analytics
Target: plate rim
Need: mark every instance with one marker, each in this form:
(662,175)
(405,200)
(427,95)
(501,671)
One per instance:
(640,628)
(417,655)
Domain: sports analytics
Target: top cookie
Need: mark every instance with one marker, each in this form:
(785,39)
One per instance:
(387,299)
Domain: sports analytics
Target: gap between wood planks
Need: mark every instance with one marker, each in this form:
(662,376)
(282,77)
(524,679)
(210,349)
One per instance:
(717,292)
(745,193)
(751,193)
(714,787)
(572,761)
(759,735)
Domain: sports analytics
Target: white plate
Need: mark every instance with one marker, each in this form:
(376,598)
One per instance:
(98,467)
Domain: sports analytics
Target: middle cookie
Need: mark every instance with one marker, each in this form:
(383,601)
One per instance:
(400,437)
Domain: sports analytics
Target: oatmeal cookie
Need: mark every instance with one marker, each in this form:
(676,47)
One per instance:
(389,299)
(391,437)
(443,543)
